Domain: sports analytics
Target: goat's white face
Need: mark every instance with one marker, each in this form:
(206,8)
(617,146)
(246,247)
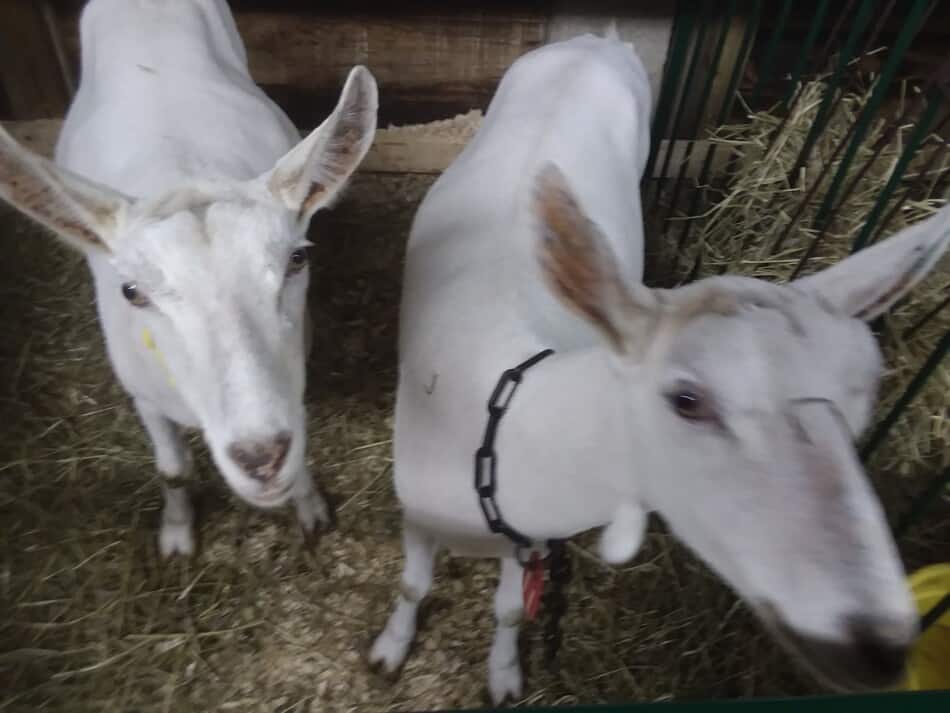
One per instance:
(214,275)
(221,287)
(751,419)
(747,397)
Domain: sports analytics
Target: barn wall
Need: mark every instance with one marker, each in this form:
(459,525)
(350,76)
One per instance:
(432,60)
(32,80)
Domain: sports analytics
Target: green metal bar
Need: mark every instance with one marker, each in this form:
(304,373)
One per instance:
(725,109)
(768,60)
(797,89)
(682,31)
(920,132)
(915,186)
(807,201)
(910,393)
(688,82)
(807,47)
(700,113)
(922,503)
(881,21)
(909,29)
(824,111)
(941,306)
(935,613)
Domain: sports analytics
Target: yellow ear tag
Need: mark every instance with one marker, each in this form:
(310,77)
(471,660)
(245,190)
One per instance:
(149,343)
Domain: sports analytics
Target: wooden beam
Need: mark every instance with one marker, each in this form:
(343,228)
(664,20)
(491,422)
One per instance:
(406,149)
(430,61)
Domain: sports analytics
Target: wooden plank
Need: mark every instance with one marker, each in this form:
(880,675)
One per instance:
(30,73)
(421,50)
(723,71)
(411,149)
(430,61)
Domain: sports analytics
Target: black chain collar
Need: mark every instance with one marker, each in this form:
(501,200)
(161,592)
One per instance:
(486,460)
(486,485)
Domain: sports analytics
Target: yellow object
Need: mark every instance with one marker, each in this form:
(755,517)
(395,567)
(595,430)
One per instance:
(149,343)
(929,665)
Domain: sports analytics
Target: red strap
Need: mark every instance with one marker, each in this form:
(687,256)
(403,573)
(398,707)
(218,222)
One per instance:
(533,586)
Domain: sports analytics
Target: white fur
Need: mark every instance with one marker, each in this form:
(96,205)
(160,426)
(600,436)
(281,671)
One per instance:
(775,501)
(175,172)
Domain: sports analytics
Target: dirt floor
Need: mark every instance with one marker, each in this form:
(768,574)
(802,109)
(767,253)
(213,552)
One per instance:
(91,619)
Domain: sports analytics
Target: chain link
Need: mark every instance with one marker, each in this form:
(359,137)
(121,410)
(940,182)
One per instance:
(486,485)
(486,460)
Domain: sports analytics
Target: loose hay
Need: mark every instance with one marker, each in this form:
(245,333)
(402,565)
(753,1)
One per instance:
(92,620)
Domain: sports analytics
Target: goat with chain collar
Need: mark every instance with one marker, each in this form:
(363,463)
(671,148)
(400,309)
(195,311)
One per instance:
(530,554)
(684,402)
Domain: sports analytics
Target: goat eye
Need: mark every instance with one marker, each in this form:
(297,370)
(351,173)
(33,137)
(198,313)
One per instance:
(298,260)
(131,292)
(692,405)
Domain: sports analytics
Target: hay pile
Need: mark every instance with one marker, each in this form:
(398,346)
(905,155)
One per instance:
(460,128)
(91,619)
(738,232)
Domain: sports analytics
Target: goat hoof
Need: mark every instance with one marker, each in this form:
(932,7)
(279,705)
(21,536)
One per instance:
(387,656)
(312,538)
(379,670)
(312,511)
(504,684)
(176,539)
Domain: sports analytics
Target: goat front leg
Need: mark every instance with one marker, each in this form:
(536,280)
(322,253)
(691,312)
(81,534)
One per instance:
(391,646)
(309,504)
(173,461)
(504,667)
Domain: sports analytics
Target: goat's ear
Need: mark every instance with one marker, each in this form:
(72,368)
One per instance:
(622,538)
(580,268)
(83,213)
(869,282)
(311,174)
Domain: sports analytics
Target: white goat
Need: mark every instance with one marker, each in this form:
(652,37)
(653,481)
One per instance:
(727,406)
(188,191)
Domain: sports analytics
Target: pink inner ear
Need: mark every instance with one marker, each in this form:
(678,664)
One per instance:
(572,255)
(332,154)
(315,196)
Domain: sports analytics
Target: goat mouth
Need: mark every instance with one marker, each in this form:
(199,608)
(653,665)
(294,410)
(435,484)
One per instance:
(270,499)
(836,665)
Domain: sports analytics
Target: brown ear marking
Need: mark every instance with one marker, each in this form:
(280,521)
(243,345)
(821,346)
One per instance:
(33,193)
(572,257)
(347,133)
(316,194)
(334,152)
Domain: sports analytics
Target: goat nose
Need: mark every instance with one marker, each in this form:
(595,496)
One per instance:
(882,648)
(261,460)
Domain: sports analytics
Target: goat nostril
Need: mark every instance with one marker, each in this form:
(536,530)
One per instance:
(261,460)
(885,656)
